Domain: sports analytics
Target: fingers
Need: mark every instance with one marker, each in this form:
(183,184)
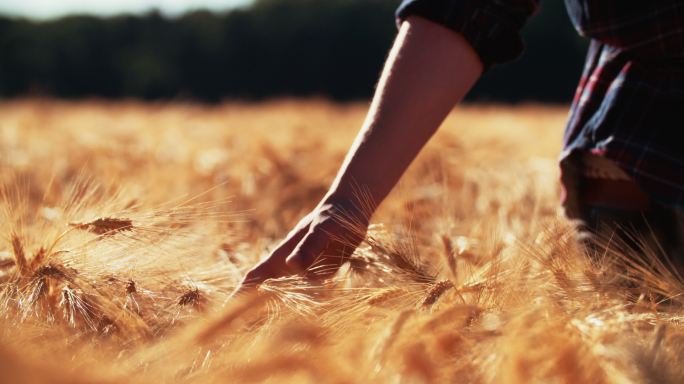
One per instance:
(318,248)
(323,250)
(273,266)
(284,249)
(242,289)
(333,256)
(308,250)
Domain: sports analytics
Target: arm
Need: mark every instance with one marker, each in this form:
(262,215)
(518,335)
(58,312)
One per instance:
(429,69)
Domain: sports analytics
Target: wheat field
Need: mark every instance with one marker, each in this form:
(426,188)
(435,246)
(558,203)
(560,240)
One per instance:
(125,227)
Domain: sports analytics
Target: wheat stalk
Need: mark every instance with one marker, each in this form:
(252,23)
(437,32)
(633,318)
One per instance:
(19,256)
(449,255)
(437,290)
(105,226)
(385,295)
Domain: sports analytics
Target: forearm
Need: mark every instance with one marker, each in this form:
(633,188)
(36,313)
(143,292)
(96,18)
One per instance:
(428,71)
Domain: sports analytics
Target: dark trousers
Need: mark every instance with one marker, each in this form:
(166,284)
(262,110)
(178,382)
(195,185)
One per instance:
(653,238)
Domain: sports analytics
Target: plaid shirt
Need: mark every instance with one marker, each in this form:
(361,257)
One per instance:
(629,105)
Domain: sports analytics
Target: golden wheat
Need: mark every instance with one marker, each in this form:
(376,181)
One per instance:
(126,226)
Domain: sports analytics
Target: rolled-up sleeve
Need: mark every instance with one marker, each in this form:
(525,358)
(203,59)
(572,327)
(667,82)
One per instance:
(492,27)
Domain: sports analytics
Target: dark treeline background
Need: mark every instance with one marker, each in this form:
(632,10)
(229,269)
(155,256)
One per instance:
(329,48)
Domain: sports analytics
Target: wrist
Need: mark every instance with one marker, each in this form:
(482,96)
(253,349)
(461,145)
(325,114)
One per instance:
(358,206)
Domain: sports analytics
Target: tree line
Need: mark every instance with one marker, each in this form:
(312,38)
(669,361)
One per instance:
(273,48)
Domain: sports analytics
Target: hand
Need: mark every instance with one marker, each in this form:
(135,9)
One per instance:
(318,245)
(429,69)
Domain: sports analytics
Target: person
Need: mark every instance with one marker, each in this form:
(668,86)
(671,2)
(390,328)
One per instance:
(621,159)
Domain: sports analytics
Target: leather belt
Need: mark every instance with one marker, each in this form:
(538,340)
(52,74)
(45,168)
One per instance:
(617,194)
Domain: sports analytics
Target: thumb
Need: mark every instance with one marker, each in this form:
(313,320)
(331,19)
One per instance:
(308,250)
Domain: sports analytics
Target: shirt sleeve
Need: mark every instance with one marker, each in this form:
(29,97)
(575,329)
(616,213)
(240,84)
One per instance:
(492,27)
